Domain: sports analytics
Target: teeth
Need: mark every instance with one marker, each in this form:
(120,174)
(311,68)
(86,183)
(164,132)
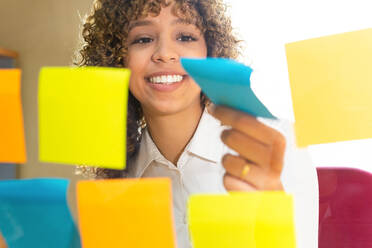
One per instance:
(169,79)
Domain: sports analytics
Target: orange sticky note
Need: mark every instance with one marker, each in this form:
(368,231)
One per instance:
(134,213)
(12,140)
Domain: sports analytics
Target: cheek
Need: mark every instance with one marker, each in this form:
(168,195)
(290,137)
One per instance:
(201,50)
(137,59)
(134,64)
(204,50)
(195,88)
(137,66)
(134,86)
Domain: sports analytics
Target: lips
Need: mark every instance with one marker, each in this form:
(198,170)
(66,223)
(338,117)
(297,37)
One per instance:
(165,81)
(165,77)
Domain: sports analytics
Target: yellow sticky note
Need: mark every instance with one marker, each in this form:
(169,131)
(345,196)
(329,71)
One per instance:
(331,83)
(12,140)
(82,116)
(240,220)
(135,213)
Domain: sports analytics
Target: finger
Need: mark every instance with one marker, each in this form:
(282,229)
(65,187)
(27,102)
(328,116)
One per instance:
(257,177)
(278,152)
(245,123)
(247,147)
(233,184)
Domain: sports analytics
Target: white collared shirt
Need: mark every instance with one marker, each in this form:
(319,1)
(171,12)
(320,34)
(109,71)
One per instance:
(199,170)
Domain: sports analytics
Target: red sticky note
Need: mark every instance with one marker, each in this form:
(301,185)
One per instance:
(12,140)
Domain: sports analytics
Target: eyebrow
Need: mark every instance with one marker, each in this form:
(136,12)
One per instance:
(139,24)
(142,23)
(182,21)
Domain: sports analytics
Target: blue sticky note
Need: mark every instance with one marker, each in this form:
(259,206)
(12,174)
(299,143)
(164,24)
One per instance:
(34,213)
(226,82)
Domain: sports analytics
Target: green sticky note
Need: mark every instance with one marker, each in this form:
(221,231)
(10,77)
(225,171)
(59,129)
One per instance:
(82,116)
(240,220)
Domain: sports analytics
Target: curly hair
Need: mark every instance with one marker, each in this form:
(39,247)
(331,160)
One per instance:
(106,30)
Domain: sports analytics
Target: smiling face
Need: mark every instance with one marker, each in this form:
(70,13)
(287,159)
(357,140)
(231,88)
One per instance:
(155,46)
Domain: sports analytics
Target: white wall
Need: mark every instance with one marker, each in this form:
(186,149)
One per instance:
(266,25)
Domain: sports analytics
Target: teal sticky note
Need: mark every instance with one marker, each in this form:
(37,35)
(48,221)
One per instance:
(34,213)
(226,82)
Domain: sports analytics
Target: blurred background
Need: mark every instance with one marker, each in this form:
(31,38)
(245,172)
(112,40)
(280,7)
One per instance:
(47,33)
(42,33)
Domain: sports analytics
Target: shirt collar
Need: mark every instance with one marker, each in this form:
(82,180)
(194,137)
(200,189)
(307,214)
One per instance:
(205,143)
(147,153)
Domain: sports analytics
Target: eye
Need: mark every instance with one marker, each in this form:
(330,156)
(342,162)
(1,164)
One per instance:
(186,38)
(142,40)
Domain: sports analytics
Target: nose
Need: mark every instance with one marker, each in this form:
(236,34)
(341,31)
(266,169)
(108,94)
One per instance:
(165,52)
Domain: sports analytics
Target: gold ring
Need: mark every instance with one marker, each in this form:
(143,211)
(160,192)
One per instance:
(245,170)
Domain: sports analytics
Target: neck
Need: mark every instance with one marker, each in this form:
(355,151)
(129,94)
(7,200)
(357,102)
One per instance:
(172,133)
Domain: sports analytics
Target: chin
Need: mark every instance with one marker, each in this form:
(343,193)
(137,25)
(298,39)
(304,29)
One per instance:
(172,106)
(168,110)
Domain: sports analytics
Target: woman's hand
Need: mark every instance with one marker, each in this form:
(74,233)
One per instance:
(261,152)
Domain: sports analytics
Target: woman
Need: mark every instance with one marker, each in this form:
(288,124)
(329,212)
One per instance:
(170,132)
